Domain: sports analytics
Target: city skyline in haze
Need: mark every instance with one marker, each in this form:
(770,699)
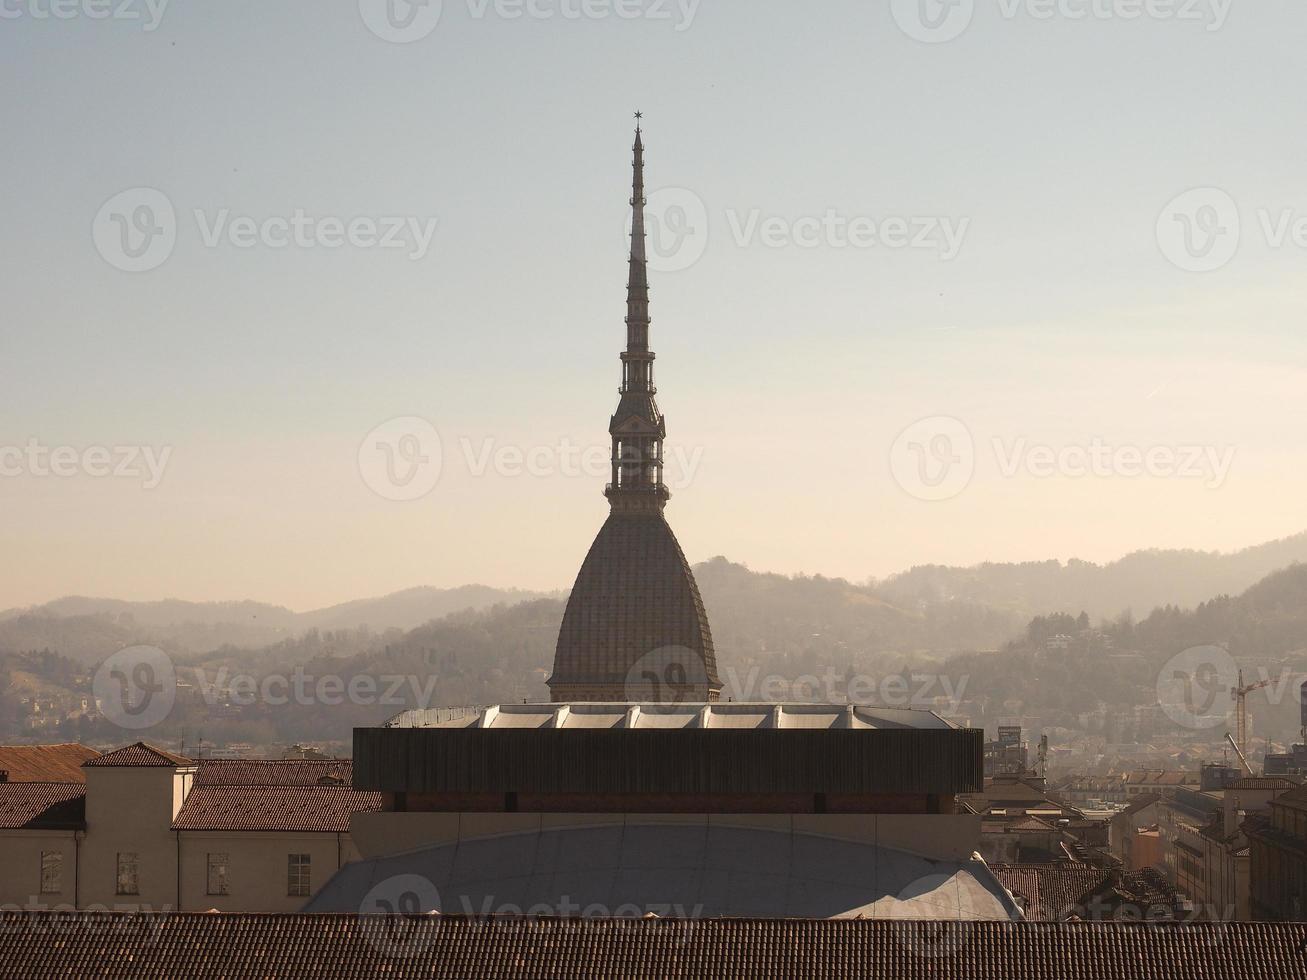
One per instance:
(1030,290)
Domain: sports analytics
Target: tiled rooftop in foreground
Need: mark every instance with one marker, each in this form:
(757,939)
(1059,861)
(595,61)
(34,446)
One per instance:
(49,806)
(208,946)
(45,763)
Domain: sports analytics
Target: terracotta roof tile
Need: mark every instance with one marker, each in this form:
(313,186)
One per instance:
(51,806)
(275,772)
(139,754)
(1052,892)
(1262,783)
(308,809)
(208,946)
(45,763)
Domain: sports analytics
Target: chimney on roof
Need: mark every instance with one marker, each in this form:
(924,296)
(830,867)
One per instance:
(1231,802)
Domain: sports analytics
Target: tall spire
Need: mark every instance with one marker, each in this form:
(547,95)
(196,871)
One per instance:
(635,628)
(637,428)
(637,283)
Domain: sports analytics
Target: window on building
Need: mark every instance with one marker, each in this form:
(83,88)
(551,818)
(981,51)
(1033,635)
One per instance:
(129,881)
(217,878)
(52,872)
(297,875)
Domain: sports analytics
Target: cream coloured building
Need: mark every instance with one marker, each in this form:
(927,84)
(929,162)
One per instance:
(153,830)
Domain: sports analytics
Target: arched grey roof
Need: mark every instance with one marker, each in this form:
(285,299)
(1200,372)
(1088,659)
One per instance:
(698,871)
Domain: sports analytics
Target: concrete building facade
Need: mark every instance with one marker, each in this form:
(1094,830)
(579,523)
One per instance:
(1277,845)
(696,809)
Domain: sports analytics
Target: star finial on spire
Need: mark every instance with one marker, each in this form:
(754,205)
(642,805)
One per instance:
(638,117)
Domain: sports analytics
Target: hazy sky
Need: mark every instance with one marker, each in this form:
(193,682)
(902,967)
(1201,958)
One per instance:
(871,223)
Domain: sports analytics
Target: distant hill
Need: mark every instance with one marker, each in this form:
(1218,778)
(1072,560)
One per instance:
(758,613)
(1140,581)
(1113,672)
(756,616)
(1266,622)
(89,629)
(764,625)
(413,607)
(88,638)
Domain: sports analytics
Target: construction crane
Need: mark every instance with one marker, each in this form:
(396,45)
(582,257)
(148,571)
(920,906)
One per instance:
(1240,695)
(1243,761)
